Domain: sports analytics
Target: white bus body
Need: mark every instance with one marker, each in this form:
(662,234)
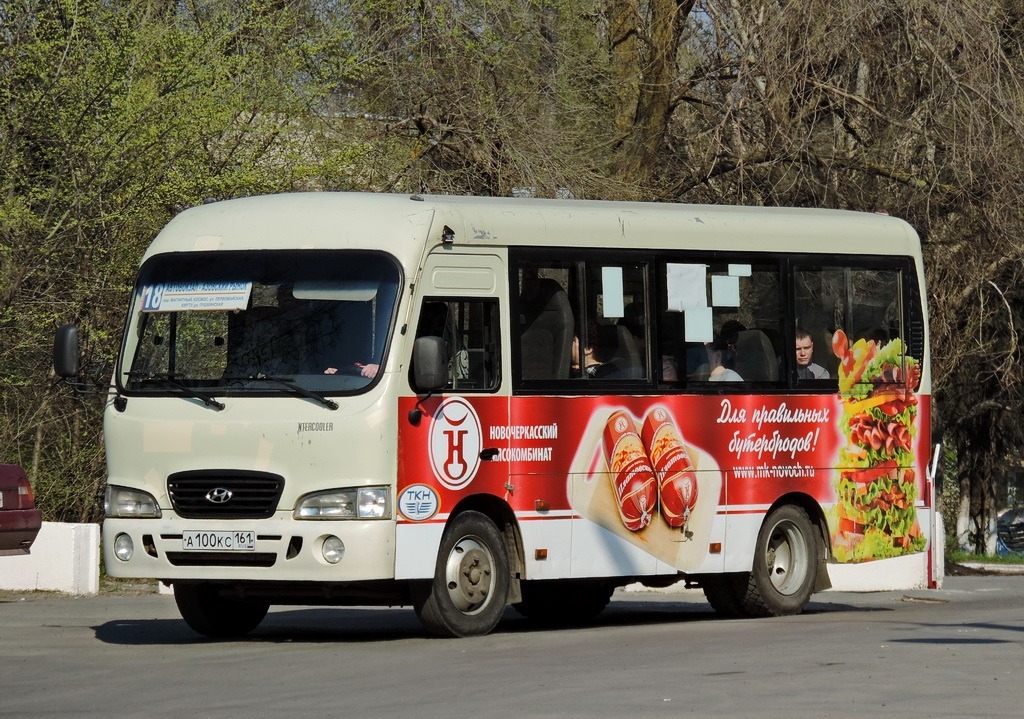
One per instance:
(267,441)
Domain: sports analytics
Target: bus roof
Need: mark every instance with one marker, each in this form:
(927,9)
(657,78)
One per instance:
(401,224)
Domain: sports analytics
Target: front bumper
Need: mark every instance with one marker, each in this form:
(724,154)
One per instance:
(285,550)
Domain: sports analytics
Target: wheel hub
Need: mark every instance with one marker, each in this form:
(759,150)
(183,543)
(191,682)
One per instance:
(469,574)
(787,558)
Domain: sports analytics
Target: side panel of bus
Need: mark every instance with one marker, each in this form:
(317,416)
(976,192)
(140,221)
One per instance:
(647,478)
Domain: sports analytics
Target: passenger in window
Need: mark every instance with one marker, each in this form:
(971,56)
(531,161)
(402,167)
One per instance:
(721,356)
(722,353)
(805,366)
(730,334)
(591,359)
(634,321)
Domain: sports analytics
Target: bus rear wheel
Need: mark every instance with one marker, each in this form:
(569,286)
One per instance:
(213,615)
(783,575)
(785,562)
(470,588)
(725,593)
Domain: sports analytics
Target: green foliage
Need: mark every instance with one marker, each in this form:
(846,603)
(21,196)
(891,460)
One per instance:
(117,115)
(485,97)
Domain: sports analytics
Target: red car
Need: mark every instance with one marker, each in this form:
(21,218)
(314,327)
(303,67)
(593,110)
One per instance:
(20,520)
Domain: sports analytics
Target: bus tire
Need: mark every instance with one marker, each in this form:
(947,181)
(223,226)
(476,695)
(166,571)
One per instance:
(559,603)
(785,562)
(209,613)
(725,593)
(470,588)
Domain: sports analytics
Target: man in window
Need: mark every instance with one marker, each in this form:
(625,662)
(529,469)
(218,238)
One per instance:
(805,366)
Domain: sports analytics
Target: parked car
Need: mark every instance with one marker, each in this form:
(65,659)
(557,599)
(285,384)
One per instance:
(1010,528)
(20,520)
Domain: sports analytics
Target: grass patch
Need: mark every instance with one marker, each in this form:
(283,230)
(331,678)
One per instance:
(965,558)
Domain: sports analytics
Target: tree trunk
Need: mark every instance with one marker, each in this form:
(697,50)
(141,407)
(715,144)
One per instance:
(652,81)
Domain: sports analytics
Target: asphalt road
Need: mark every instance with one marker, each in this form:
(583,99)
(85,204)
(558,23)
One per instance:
(951,652)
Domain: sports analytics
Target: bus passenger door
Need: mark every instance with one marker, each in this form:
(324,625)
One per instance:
(456,446)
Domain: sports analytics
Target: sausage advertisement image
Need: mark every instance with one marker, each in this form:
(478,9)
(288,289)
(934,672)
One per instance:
(677,481)
(631,473)
(625,453)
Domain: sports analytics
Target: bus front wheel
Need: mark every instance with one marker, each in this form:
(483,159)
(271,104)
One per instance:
(785,562)
(213,615)
(470,588)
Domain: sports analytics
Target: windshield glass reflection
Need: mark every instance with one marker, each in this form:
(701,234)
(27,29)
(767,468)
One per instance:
(273,322)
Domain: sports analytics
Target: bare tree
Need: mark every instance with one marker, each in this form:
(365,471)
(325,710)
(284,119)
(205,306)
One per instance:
(912,107)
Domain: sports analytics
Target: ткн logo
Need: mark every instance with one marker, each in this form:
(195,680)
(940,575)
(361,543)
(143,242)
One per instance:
(418,503)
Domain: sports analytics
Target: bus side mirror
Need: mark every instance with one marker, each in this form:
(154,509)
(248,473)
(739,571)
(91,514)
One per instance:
(65,351)
(430,363)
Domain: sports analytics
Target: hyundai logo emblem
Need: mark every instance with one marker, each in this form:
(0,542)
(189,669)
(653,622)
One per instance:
(219,495)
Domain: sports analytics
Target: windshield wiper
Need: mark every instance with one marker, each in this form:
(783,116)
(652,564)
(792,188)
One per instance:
(290,384)
(169,378)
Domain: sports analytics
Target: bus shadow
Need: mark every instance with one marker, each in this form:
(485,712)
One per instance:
(359,625)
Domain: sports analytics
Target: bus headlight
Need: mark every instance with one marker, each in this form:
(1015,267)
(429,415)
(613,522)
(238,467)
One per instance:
(131,503)
(350,503)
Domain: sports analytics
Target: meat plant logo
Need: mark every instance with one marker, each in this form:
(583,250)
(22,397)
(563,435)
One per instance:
(455,443)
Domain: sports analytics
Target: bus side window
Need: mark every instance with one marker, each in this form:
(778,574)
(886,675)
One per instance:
(546,329)
(864,302)
(719,320)
(476,362)
(470,329)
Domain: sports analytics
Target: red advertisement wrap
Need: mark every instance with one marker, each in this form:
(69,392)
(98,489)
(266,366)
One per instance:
(654,470)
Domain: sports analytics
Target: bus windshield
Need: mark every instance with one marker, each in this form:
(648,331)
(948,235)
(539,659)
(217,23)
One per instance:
(299,322)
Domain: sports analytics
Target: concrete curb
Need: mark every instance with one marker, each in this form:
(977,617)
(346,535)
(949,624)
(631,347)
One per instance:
(996,568)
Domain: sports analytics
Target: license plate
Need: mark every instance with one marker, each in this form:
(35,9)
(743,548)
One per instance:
(218,541)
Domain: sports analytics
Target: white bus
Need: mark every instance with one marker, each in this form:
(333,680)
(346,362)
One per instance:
(461,403)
